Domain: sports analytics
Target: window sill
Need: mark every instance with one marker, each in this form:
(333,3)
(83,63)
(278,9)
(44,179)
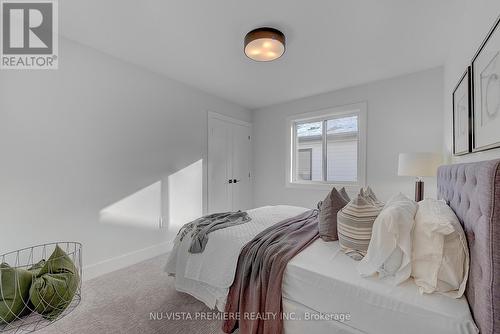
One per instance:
(323,185)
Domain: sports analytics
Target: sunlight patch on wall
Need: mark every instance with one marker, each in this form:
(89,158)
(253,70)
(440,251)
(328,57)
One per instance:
(185,195)
(171,202)
(141,209)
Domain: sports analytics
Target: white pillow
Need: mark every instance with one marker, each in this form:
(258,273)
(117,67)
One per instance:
(389,252)
(440,258)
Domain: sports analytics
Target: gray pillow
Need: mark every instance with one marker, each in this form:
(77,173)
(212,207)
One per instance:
(328,209)
(344,194)
(369,194)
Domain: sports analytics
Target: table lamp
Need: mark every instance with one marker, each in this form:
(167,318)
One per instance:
(419,165)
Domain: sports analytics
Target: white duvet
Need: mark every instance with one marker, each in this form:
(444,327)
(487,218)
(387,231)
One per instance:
(209,275)
(319,279)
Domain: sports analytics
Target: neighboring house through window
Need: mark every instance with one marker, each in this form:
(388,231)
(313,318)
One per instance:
(328,147)
(305,164)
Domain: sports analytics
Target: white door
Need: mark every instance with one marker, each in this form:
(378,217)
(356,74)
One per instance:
(229,162)
(241,186)
(219,166)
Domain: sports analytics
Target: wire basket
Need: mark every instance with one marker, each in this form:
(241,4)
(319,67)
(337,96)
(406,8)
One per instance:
(33,316)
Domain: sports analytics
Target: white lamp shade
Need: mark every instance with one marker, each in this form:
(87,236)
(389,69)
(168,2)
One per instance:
(419,164)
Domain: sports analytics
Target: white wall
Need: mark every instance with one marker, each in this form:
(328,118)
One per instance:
(77,140)
(142,208)
(404,115)
(472,21)
(185,196)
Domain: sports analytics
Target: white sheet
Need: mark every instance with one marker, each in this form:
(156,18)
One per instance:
(321,279)
(325,280)
(208,275)
(389,252)
(312,327)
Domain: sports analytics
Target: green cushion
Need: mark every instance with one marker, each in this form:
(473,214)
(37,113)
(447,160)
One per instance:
(55,285)
(14,291)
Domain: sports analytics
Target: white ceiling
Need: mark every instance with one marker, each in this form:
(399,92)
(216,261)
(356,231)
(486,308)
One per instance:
(331,44)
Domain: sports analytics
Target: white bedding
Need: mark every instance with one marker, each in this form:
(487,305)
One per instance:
(320,279)
(208,275)
(325,280)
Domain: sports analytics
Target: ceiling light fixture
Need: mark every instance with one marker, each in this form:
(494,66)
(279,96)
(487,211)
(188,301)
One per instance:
(264,44)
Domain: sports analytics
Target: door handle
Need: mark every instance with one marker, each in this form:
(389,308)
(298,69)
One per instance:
(236,181)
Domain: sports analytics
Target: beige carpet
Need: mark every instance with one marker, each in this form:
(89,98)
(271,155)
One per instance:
(121,302)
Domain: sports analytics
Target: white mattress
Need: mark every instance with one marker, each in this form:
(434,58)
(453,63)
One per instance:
(312,327)
(324,280)
(208,275)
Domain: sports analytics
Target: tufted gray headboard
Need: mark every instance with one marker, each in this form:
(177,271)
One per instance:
(473,192)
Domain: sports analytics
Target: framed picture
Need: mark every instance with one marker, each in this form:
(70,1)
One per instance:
(462,135)
(486,92)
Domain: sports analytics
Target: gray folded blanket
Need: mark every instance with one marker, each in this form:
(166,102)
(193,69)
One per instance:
(201,227)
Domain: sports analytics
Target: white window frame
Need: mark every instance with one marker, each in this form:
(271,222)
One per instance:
(359,109)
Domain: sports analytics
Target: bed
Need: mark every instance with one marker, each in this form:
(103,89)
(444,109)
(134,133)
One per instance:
(322,284)
(322,279)
(473,192)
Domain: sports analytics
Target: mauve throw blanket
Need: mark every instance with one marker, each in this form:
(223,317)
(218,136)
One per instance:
(255,295)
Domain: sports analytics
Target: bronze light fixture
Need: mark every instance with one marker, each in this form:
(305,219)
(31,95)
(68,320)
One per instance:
(264,44)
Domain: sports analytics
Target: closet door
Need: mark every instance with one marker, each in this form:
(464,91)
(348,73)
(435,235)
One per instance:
(219,166)
(229,163)
(241,162)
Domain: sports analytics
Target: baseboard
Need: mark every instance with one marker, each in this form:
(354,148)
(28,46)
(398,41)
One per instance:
(125,260)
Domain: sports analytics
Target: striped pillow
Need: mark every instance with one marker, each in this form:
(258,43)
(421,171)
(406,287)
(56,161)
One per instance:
(354,225)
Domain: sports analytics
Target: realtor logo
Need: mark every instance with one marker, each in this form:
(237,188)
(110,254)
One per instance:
(29,38)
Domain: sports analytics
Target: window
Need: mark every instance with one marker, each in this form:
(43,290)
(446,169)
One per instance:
(305,164)
(328,147)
